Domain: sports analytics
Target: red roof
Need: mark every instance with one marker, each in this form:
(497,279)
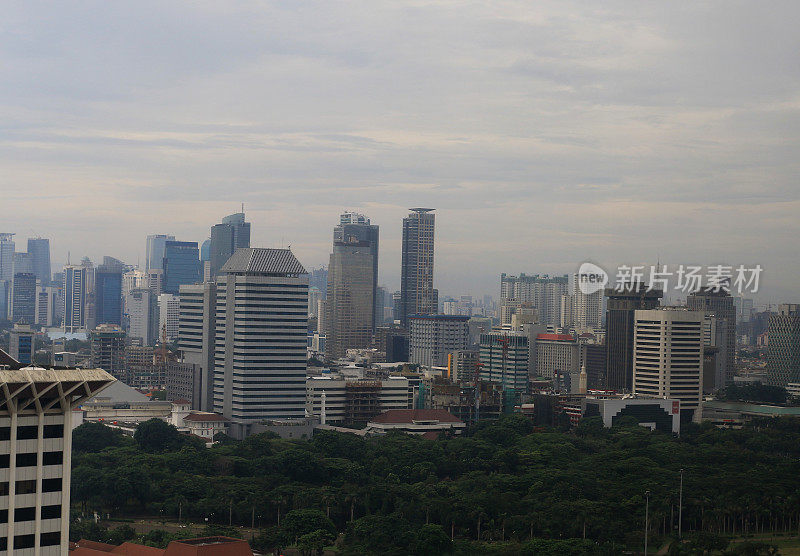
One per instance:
(181,401)
(204,417)
(400,416)
(205,546)
(558,337)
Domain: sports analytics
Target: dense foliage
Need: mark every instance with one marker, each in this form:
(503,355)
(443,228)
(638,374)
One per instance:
(755,392)
(501,483)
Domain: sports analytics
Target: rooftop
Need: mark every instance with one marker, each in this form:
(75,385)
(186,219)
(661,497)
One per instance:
(409,416)
(263,261)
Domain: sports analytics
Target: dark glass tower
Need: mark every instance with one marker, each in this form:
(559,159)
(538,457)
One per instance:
(108,292)
(39,252)
(232,234)
(181,265)
(417,296)
(721,304)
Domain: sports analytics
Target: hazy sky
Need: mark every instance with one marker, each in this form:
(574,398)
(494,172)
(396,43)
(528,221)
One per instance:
(544,133)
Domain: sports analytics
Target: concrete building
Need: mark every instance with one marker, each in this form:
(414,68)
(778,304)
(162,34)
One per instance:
(427,422)
(75,290)
(621,306)
(197,333)
(417,294)
(556,354)
(542,293)
(783,349)
(720,304)
(36,454)
(168,316)
(434,337)
(21,344)
(155,281)
(352,283)
(462,365)
(656,414)
(339,399)
(143,316)
(261,374)
(39,252)
(131,280)
(154,254)
(184,381)
(668,357)
(504,358)
(23,295)
(232,234)
(7,250)
(108,349)
(46,306)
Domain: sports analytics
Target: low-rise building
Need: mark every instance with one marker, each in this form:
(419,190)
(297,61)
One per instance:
(426,422)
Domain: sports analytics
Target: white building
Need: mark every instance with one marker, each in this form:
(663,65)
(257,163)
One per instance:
(668,356)
(434,337)
(142,311)
(75,298)
(35,455)
(197,333)
(556,353)
(168,315)
(335,398)
(262,319)
(46,300)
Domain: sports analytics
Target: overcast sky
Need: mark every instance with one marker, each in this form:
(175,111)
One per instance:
(544,133)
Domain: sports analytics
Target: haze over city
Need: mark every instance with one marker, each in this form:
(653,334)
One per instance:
(545,134)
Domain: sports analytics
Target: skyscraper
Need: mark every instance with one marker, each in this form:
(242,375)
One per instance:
(108,292)
(668,356)
(7,248)
(23,305)
(352,279)
(74,298)
(720,303)
(181,265)
(232,234)
(434,337)
(108,349)
(154,255)
(143,315)
(39,252)
(619,332)
(783,349)
(197,334)
(261,375)
(417,295)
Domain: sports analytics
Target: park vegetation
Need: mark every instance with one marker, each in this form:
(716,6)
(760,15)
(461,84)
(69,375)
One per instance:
(501,488)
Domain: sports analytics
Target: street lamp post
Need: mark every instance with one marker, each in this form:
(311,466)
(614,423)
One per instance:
(680,507)
(646,518)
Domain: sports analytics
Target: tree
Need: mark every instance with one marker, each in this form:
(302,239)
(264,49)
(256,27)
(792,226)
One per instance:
(431,539)
(297,523)
(94,436)
(156,436)
(314,542)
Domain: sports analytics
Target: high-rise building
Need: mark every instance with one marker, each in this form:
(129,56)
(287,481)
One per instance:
(131,280)
(21,343)
(36,428)
(108,349)
(668,357)
(23,264)
(543,293)
(352,280)
(39,252)
(580,310)
(783,349)
(46,305)
(154,256)
(108,292)
(7,249)
(155,280)
(75,297)
(621,306)
(232,234)
(417,295)
(168,316)
(181,265)
(197,334)
(261,375)
(720,303)
(434,337)
(23,305)
(143,316)
(463,365)
(556,355)
(504,359)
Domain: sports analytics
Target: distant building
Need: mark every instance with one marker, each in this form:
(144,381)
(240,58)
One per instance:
(154,255)
(21,343)
(668,357)
(720,304)
(656,414)
(433,337)
(75,298)
(542,293)
(46,306)
(336,399)
(108,349)
(783,349)
(143,316)
(232,234)
(556,354)
(108,293)
(184,381)
(23,306)
(168,316)
(181,265)
(417,294)
(39,252)
(197,334)
(462,365)
(427,422)
(504,359)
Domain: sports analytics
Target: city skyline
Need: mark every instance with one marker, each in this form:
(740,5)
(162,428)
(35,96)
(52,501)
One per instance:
(544,135)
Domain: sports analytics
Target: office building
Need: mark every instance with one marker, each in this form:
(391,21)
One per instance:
(668,357)
(181,265)
(504,360)
(232,234)
(7,250)
(720,304)
(23,264)
(108,349)
(541,292)
(168,316)
(46,305)
(108,292)
(433,337)
(39,252)
(580,310)
(621,306)
(23,295)
(155,280)
(184,381)
(594,359)
(783,349)
(197,309)
(352,280)
(131,280)
(417,295)
(75,298)
(557,355)
(338,399)
(143,316)
(261,375)
(36,429)
(21,343)
(463,365)
(154,254)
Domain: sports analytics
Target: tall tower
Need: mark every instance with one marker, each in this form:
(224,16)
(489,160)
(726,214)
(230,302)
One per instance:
(108,292)
(181,265)
(39,252)
(232,234)
(261,374)
(7,248)
(23,304)
(417,295)
(619,332)
(75,284)
(720,303)
(352,283)
(154,255)
(783,349)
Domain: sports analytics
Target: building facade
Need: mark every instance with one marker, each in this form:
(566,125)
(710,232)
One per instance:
(197,334)
(504,360)
(154,254)
(783,349)
(181,265)
(543,293)
(433,337)
(232,234)
(720,304)
(417,294)
(75,298)
(108,349)
(23,295)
